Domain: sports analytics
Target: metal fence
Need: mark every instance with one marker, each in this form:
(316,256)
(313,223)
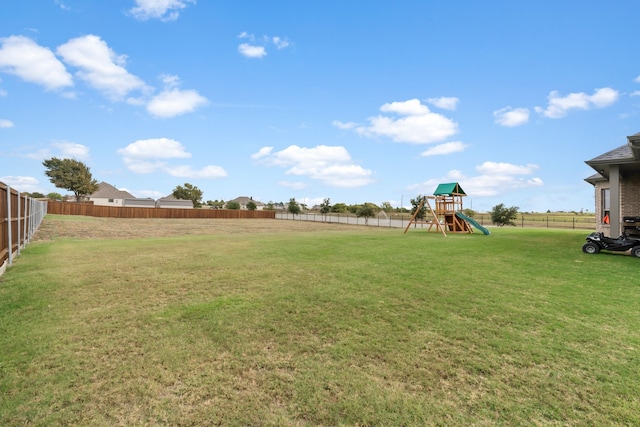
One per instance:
(401,221)
(20,217)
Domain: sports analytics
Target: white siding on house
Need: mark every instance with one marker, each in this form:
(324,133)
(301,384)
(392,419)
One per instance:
(139,203)
(174,203)
(100,201)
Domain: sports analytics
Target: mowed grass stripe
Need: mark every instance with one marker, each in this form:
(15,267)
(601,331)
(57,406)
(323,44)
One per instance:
(353,327)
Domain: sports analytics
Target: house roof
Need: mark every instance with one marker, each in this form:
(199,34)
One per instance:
(108,191)
(244,200)
(172,199)
(627,157)
(449,189)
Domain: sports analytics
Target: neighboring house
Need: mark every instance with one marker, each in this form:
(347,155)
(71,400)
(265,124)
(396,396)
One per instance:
(139,203)
(617,188)
(172,202)
(244,201)
(108,195)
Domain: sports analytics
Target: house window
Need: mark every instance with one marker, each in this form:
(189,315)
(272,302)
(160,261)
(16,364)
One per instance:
(606,205)
(110,200)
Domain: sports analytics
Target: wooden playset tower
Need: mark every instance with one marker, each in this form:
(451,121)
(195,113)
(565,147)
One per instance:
(448,199)
(447,215)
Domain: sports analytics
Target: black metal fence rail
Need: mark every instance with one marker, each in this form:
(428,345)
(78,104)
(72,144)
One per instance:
(401,221)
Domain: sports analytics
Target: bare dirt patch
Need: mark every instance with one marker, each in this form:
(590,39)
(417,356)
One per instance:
(55,227)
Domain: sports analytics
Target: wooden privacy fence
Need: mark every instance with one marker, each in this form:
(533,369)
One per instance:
(20,217)
(88,209)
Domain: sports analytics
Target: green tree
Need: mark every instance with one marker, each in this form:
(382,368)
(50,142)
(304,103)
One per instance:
(216,204)
(293,207)
(325,208)
(501,215)
(422,213)
(71,175)
(367,210)
(188,192)
(386,207)
(55,196)
(353,208)
(36,195)
(233,205)
(339,208)
(252,205)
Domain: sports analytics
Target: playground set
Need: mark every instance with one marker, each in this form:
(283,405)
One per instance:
(447,215)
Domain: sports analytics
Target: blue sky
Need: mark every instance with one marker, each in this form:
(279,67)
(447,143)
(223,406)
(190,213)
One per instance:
(355,101)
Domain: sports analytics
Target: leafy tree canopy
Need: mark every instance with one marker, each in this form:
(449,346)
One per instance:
(423,209)
(269,206)
(218,204)
(339,208)
(71,175)
(293,207)
(501,215)
(325,207)
(188,192)
(367,210)
(252,205)
(55,196)
(233,205)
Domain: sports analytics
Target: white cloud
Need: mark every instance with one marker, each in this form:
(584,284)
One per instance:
(559,106)
(62,5)
(637,79)
(497,168)
(443,149)
(208,172)
(258,46)
(444,102)
(71,150)
(263,152)
(343,125)
(418,126)
(23,184)
(63,150)
(151,155)
(170,81)
(636,93)
(165,10)
(251,51)
(494,179)
(24,58)
(4,124)
(332,165)
(511,117)
(279,42)
(158,148)
(99,66)
(174,102)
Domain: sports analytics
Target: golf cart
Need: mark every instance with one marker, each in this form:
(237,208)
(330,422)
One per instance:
(597,242)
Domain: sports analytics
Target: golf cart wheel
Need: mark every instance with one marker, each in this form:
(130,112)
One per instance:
(591,248)
(635,251)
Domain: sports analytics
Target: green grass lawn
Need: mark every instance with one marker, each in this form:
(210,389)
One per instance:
(364,326)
